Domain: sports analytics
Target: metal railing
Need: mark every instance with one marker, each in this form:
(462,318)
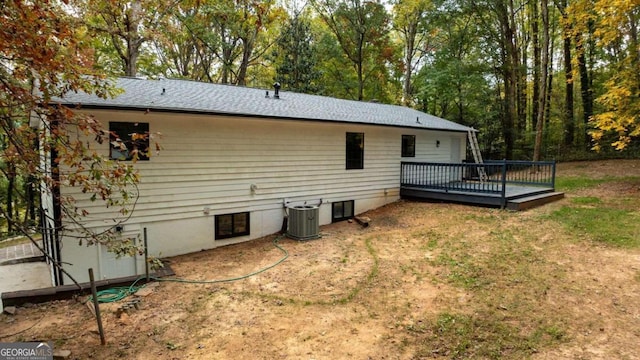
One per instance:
(465,177)
(450,177)
(532,173)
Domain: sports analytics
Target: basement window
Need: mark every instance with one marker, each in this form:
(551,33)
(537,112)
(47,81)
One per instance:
(408,146)
(232,225)
(128,141)
(355,151)
(342,210)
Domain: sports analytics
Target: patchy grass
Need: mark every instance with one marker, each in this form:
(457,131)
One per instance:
(485,336)
(573,183)
(603,224)
(586,200)
(506,279)
(577,182)
(612,219)
(508,275)
(461,270)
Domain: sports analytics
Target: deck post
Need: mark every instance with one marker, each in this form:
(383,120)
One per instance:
(503,192)
(96,307)
(553,175)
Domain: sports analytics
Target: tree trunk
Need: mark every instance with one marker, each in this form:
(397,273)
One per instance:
(408,60)
(585,90)
(226,64)
(536,63)
(569,125)
(359,65)
(28,206)
(133,39)
(519,75)
(510,107)
(247,49)
(522,88)
(568,119)
(512,96)
(131,63)
(633,35)
(547,110)
(522,94)
(510,74)
(11,178)
(543,84)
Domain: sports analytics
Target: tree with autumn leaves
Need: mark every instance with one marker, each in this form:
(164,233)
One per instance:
(616,25)
(46,53)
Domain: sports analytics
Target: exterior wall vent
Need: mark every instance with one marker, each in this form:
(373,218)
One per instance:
(304,222)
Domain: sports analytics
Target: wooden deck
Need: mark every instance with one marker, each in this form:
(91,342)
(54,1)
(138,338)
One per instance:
(510,185)
(516,197)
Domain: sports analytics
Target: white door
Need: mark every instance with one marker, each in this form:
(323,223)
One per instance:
(455,150)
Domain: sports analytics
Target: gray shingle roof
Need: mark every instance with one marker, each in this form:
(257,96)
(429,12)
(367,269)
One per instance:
(191,96)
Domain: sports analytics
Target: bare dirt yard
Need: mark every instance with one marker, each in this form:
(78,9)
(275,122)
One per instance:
(424,280)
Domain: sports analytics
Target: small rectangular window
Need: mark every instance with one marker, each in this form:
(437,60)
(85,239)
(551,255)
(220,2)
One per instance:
(128,141)
(232,225)
(355,151)
(408,146)
(342,210)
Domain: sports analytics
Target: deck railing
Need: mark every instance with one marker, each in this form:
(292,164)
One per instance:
(531,173)
(451,177)
(466,177)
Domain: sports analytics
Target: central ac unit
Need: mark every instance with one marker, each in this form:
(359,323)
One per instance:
(304,222)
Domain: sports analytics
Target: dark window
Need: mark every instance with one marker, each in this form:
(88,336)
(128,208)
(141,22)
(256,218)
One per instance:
(342,210)
(232,225)
(355,151)
(128,141)
(408,146)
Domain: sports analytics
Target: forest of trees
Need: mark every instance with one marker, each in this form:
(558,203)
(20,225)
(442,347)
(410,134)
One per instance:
(547,79)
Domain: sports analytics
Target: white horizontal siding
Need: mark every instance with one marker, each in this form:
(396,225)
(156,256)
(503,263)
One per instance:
(211,162)
(217,160)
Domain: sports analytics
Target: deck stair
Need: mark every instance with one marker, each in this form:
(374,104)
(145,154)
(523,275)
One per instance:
(532,201)
(477,155)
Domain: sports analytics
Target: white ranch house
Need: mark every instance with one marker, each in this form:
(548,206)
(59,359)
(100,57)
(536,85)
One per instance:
(233,158)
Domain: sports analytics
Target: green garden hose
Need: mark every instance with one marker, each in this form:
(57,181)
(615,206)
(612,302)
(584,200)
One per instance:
(119,293)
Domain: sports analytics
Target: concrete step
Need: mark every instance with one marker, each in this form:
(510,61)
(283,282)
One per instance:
(533,201)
